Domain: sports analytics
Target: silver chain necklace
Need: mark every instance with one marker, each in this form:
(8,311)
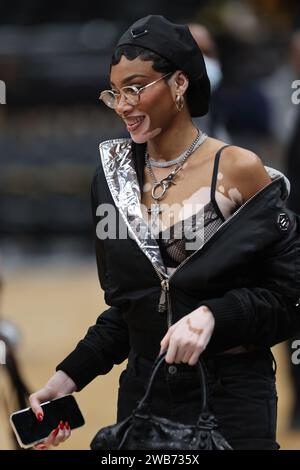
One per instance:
(166,182)
(175,161)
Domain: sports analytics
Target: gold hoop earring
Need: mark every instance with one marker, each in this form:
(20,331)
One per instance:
(179,101)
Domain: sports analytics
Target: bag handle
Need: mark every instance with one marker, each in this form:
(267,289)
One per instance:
(202,376)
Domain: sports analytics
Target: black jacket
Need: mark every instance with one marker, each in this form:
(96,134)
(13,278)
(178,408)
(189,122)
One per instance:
(248,273)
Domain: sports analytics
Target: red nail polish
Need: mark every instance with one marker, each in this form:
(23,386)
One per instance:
(67,425)
(55,432)
(61,425)
(40,417)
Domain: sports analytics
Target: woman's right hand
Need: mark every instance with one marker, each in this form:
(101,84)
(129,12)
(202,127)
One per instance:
(58,385)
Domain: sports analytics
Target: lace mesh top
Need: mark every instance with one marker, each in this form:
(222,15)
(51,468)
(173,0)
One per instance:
(187,235)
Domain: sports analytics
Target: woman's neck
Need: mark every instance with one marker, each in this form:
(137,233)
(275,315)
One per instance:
(172,142)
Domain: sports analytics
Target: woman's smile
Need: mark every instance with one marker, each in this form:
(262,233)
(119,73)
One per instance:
(134,122)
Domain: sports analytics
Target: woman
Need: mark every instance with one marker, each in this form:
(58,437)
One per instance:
(201,258)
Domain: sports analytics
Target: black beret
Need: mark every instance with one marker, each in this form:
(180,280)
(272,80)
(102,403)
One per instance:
(175,43)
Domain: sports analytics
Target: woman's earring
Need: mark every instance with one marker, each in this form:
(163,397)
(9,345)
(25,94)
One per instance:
(179,101)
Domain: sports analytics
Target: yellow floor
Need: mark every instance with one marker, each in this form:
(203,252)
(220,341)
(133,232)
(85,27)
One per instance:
(53,308)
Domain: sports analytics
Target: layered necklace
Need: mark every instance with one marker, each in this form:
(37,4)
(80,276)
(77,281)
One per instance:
(160,188)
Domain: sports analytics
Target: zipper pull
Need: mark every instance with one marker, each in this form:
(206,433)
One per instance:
(162,306)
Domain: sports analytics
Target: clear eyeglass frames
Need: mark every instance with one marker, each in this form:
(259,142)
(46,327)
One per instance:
(130,93)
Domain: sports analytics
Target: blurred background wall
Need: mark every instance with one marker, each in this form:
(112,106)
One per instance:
(54,60)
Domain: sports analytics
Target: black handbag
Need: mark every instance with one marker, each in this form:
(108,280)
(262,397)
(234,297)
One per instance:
(145,431)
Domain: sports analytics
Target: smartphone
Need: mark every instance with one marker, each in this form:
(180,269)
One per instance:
(29,431)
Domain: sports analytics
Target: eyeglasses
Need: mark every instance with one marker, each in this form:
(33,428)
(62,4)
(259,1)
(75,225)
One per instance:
(130,93)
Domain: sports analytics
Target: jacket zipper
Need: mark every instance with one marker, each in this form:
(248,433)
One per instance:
(164,303)
(165,298)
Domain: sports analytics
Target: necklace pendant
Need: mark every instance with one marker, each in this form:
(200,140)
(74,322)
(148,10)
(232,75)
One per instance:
(154,209)
(154,212)
(163,185)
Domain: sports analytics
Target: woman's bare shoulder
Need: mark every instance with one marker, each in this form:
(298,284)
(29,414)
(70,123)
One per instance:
(243,168)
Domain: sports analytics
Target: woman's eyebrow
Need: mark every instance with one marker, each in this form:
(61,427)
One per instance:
(129,78)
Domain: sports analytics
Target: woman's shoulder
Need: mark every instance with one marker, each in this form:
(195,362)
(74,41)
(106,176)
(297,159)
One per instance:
(238,158)
(244,169)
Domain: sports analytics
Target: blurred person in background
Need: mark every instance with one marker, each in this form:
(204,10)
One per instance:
(220,248)
(286,131)
(211,123)
(14,391)
(293,173)
(293,146)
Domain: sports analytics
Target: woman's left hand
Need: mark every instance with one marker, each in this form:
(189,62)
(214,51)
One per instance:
(188,338)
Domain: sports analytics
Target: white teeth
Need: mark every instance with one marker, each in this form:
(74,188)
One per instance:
(136,120)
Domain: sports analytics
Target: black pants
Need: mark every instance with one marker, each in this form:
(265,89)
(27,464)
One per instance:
(242,395)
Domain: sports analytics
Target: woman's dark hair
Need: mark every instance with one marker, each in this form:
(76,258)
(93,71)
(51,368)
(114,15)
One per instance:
(159,63)
(132,52)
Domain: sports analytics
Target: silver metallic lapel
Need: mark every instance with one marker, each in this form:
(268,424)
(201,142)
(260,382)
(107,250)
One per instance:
(117,162)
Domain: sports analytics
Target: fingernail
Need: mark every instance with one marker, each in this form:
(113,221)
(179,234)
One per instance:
(61,425)
(55,432)
(40,417)
(67,425)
